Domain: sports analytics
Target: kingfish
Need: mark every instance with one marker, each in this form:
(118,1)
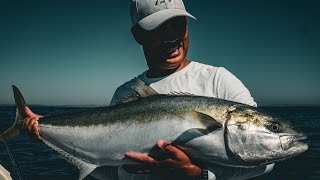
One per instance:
(210,130)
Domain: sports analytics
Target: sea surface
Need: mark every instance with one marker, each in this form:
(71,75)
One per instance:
(36,160)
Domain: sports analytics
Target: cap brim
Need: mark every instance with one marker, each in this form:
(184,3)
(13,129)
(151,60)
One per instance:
(156,19)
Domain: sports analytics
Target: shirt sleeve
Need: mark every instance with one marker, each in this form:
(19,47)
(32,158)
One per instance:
(228,86)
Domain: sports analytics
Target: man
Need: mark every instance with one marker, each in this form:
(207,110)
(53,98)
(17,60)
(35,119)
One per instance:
(160,27)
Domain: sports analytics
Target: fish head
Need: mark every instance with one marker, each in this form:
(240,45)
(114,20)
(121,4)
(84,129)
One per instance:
(255,137)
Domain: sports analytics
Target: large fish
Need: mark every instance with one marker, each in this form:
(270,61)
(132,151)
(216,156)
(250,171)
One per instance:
(212,131)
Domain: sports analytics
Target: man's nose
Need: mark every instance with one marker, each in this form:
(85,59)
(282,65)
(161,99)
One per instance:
(171,43)
(171,34)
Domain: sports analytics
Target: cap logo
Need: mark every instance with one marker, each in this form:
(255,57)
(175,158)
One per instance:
(162,1)
(150,14)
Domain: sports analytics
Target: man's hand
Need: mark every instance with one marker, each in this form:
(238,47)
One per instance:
(30,123)
(177,162)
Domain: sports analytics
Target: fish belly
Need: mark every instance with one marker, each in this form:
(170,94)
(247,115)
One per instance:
(106,144)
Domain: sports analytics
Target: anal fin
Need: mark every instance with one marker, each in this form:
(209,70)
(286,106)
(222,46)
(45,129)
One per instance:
(85,168)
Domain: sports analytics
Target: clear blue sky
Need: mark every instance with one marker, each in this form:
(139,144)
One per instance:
(66,52)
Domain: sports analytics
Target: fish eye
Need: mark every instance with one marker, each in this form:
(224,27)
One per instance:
(273,126)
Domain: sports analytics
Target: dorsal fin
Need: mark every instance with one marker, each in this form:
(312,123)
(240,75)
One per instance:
(175,93)
(142,89)
(128,98)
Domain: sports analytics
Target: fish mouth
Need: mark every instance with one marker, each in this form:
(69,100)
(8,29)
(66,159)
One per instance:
(291,148)
(301,138)
(293,143)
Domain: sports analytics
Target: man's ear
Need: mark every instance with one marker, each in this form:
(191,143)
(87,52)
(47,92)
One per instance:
(137,34)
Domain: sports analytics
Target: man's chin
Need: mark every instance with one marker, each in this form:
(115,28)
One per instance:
(173,62)
(170,66)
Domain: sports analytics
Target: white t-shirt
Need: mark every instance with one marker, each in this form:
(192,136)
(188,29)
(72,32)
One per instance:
(196,78)
(204,80)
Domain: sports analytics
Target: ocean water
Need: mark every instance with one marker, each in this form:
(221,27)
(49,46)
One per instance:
(36,160)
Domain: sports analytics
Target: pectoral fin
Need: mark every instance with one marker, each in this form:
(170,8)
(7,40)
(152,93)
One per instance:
(208,121)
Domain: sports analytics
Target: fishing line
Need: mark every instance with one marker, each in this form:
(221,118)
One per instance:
(12,158)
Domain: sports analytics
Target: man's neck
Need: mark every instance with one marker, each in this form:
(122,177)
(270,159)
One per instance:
(156,73)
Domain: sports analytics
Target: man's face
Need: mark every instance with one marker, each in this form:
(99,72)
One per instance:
(166,47)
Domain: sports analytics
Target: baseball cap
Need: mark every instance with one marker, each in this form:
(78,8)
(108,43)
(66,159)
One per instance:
(150,14)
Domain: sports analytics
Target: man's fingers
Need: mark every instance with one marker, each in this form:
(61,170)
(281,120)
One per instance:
(161,144)
(168,163)
(25,122)
(182,148)
(141,158)
(35,130)
(23,125)
(176,153)
(30,123)
(172,150)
